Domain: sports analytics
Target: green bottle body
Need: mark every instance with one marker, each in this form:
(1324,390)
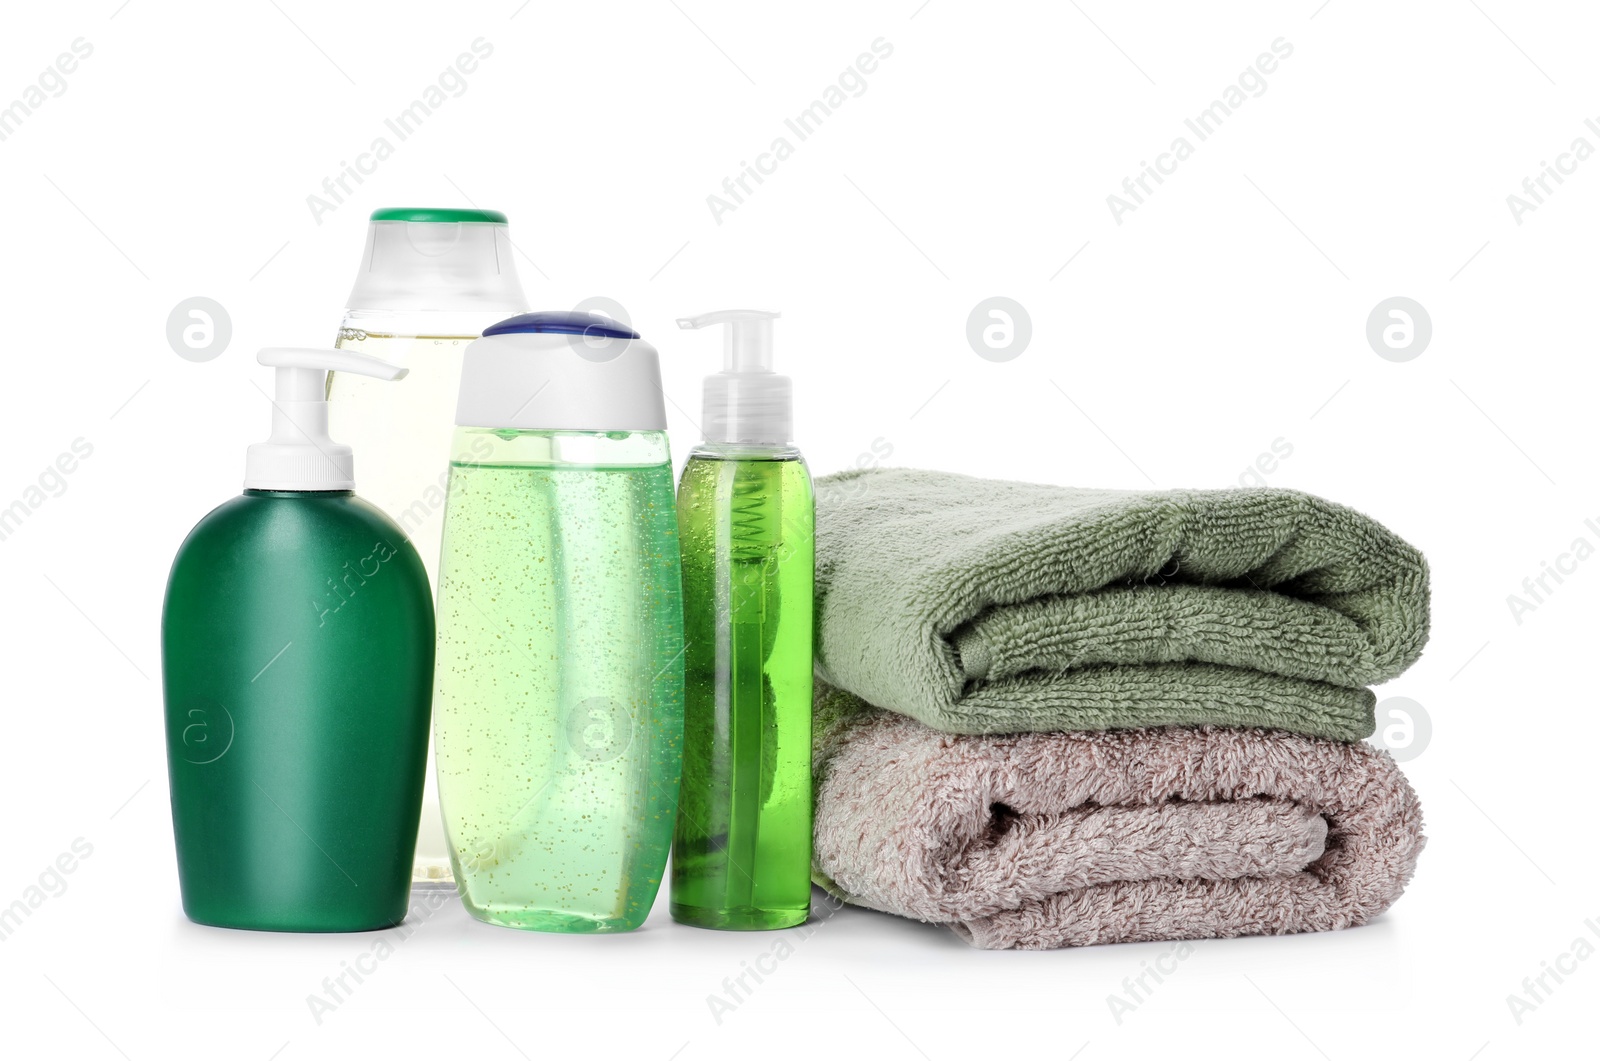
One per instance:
(742,846)
(297,661)
(560,676)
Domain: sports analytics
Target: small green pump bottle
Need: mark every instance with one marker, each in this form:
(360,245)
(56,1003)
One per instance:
(297,666)
(741,855)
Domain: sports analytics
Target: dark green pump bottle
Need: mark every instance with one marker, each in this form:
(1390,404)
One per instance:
(297,662)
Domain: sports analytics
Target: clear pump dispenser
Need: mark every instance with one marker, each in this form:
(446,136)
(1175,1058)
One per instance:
(742,847)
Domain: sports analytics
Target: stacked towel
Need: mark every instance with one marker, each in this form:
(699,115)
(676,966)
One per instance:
(1181,673)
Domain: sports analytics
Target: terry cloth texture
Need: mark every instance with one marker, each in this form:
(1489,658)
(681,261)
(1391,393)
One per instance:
(982,606)
(1042,840)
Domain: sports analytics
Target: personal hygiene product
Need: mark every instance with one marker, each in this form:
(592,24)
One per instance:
(741,855)
(430,281)
(1040,840)
(981,606)
(560,671)
(297,663)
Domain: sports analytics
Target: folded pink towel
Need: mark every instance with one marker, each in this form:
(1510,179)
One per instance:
(1061,839)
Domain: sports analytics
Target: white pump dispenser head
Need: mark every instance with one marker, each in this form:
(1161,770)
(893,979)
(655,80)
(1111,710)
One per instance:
(746,403)
(299,455)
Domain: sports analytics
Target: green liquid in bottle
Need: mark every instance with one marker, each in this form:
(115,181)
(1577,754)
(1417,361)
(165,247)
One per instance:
(559,682)
(742,849)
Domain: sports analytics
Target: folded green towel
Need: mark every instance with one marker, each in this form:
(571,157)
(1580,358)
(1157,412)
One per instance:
(981,606)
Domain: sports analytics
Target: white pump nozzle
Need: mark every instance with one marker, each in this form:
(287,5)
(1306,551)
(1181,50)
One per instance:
(746,402)
(299,455)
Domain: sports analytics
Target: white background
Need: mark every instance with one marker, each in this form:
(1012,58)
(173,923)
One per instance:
(1226,312)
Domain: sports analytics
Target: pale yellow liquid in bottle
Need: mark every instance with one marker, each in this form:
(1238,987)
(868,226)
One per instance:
(401,433)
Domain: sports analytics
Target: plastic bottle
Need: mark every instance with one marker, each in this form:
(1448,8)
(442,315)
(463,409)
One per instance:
(560,676)
(297,663)
(741,856)
(430,281)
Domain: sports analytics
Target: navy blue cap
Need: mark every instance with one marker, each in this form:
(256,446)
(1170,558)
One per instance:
(562,322)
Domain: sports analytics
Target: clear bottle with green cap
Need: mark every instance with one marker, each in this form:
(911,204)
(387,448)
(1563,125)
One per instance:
(430,281)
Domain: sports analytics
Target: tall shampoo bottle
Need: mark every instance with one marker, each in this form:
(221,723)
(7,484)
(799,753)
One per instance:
(560,681)
(297,663)
(741,856)
(430,281)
